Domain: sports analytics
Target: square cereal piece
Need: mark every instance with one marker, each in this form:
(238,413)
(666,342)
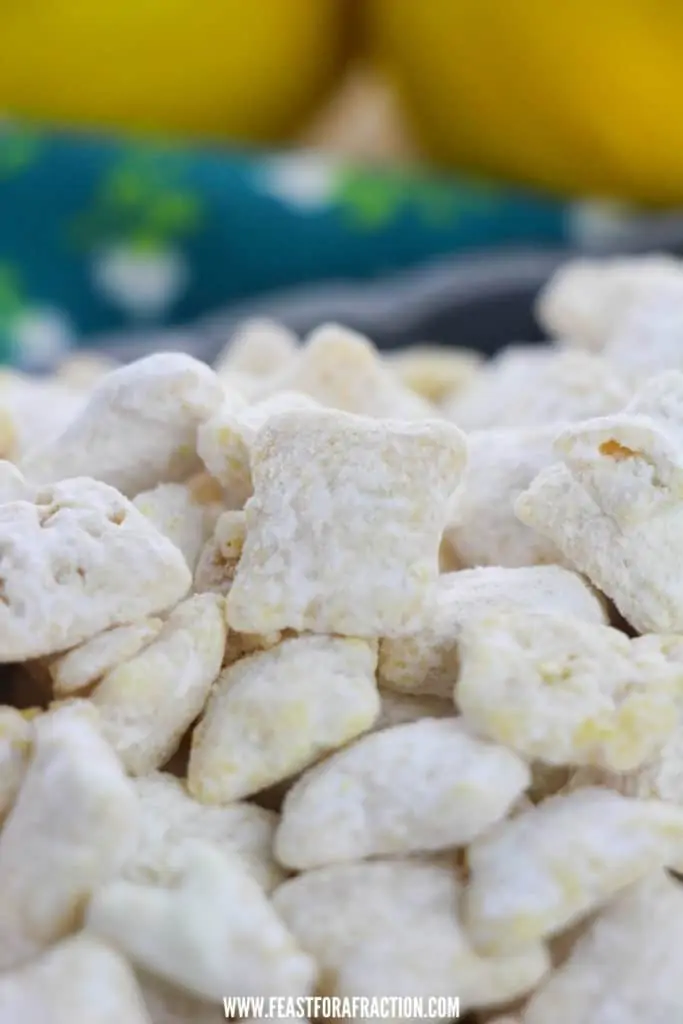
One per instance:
(345,524)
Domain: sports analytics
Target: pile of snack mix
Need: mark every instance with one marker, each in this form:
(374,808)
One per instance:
(333,673)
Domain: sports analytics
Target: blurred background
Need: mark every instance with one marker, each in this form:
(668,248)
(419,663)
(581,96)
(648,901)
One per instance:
(413,168)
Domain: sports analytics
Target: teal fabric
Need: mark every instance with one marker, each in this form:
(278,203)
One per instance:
(99,234)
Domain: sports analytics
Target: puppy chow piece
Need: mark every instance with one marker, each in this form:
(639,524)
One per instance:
(259,348)
(84,665)
(532,385)
(428,785)
(341,369)
(586,299)
(614,505)
(427,662)
(567,692)
(138,428)
(224,442)
(344,527)
(538,873)
(274,713)
(147,703)
(487,981)
(616,457)
(178,511)
(626,968)
(661,776)
(647,340)
(483,528)
(77,980)
(214,933)
(393,926)
(76,562)
(436,372)
(73,825)
(170,815)
(230,532)
(33,408)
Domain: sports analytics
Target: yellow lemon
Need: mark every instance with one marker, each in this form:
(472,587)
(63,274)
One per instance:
(196,68)
(575,96)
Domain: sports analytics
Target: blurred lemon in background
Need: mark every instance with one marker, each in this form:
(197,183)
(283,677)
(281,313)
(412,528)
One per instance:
(575,96)
(248,70)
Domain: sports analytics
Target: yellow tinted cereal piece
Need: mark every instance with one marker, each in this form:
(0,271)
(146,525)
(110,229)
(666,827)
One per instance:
(536,874)
(428,661)
(567,692)
(274,713)
(82,666)
(147,703)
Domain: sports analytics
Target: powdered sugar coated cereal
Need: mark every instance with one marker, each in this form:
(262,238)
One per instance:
(427,785)
(272,714)
(344,526)
(77,561)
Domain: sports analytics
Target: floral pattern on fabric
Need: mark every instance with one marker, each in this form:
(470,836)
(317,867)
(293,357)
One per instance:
(104,235)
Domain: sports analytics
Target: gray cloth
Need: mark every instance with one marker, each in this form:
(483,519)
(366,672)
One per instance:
(484,301)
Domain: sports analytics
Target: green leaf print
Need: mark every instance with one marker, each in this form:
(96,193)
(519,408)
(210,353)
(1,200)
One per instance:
(19,149)
(141,205)
(372,200)
(12,304)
